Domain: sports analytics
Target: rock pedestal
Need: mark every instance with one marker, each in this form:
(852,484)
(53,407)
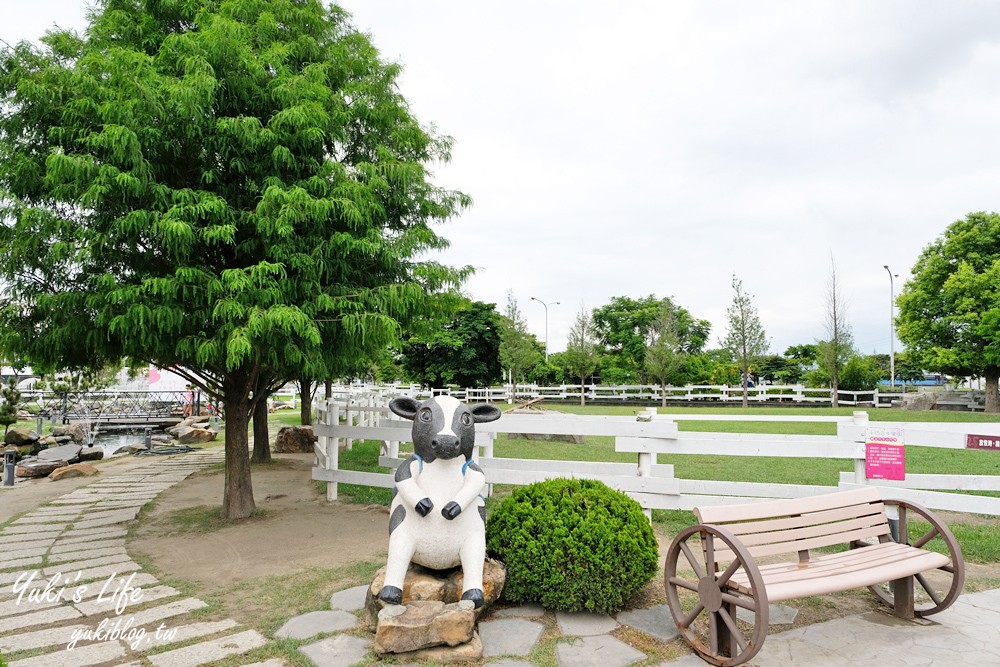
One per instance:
(433,623)
(295,440)
(440,585)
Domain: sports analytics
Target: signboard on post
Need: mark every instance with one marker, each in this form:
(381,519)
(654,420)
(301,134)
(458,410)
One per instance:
(885,456)
(973,441)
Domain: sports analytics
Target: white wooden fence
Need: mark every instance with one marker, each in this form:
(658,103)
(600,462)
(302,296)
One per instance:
(795,394)
(653,484)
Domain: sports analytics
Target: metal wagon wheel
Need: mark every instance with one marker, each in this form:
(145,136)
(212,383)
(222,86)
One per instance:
(704,604)
(940,587)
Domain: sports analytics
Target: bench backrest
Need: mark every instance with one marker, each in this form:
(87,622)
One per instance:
(799,524)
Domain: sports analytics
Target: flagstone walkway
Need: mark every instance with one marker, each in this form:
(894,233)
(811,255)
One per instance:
(70,595)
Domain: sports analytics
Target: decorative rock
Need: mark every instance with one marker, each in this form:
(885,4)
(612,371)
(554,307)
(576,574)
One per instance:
(190,435)
(37,468)
(19,436)
(584,623)
(922,400)
(68,453)
(423,624)
(75,470)
(48,441)
(604,651)
(515,636)
(295,440)
(446,586)
(337,651)
(77,431)
(62,439)
(447,655)
(91,454)
(316,622)
(351,599)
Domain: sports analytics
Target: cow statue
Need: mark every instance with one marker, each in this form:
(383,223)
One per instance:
(438,517)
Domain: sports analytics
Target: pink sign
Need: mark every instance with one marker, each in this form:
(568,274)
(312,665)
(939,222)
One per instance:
(884,461)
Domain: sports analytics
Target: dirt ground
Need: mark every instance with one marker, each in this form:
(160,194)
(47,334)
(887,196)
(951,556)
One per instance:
(299,529)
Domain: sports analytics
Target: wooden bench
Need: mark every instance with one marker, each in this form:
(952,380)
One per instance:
(739,558)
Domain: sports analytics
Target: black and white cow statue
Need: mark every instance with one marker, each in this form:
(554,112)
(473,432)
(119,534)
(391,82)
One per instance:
(438,517)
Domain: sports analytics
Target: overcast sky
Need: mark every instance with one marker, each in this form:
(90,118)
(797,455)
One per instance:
(659,147)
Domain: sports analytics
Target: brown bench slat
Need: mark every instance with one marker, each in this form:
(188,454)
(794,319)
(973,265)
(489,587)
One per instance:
(723,514)
(831,530)
(776,548)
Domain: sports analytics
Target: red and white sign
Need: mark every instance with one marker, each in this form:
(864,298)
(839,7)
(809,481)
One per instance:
(973,441)
(885,456)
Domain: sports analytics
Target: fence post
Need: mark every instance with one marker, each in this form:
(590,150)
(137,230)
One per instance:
(332,448)
(860,418)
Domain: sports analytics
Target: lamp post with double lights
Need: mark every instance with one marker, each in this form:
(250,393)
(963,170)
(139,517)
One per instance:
(546,306)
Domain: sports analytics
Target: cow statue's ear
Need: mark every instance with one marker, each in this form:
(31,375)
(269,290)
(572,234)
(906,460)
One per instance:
(404,406)
(484,412)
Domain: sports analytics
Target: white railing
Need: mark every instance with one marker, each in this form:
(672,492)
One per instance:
(652,483)
(792,394)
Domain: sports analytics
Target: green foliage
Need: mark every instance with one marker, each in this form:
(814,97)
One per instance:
(519,351)
(572,544)
(861,373)
(234,189)
(665,358)
(582,356)
(745,337)
(623,327)
(949,312)
(8,408)
(463,351)
(779,370)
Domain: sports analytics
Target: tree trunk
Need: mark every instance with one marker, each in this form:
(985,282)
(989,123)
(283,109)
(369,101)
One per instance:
(583,384)
(261,445)
(992,375)
(834,393)
(328,389)
(663,395)
(237,498)
(746,386)
(305,398)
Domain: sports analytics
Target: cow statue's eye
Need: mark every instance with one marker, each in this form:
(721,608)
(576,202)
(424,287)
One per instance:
(466,418)
(425,415)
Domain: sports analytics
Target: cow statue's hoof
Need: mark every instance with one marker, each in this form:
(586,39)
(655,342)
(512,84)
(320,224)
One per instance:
(474,594)
(393,595)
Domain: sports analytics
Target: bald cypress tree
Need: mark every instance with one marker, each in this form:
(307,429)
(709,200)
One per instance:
(234,189)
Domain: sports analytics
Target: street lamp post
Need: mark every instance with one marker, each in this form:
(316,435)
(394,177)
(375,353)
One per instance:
(892,328)
(546,306)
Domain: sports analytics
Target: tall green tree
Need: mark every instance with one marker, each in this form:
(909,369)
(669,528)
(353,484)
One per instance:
(623,326)
(465,350)
(519,351)
(664,357)
(949,312)
(833,353)
(745,337)
(582,356)
(232,189)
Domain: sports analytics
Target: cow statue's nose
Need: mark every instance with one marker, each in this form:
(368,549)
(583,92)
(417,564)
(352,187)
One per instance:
(445,446)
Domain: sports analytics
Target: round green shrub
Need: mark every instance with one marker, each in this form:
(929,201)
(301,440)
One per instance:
(573,545)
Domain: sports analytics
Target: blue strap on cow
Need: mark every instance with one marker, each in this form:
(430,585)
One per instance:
(466,467)
(417,457)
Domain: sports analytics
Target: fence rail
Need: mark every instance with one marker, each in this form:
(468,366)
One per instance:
(791,394)
(653,483)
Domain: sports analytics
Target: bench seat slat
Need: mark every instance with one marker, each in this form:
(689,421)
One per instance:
(832,531)
(841,571)
(794,546)
(782,508)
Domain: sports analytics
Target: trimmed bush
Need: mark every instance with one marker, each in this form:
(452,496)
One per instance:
(573,545)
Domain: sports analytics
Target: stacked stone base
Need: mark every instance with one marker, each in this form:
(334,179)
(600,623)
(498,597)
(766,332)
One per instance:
(433,623)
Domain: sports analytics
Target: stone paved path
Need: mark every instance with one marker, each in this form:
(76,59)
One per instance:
(65,574)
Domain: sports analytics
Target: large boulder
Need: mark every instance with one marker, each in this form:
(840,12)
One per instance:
(37,468)
(190,435)
(74,470)
(68,453)
(19,436)
(78,431)
(922,400)
(91,454)
(295,440)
